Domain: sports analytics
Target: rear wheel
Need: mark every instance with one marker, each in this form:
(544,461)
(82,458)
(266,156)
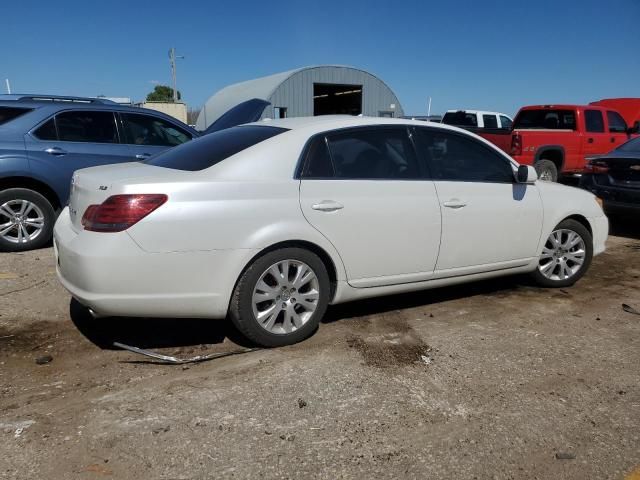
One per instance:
(566,255)
(280,299)
(26,220)
(547,170)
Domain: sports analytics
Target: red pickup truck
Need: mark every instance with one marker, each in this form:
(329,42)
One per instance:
(556,139)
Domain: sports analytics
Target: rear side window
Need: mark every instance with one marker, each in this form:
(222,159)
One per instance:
(461,118)
(545,120)
(86,126)
(490,121)
(506,122)
(616,123)
(454,157)
(318,161)
(11,113)
(149,130)
(373,154)
(594,121)
(206,151)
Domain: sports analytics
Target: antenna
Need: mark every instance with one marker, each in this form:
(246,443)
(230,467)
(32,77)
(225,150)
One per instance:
(8,86)
(172,61)
(429,108)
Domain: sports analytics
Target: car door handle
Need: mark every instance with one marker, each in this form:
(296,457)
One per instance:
(55,151)
(613,139)
(142,156)
(454,203)
(590,140)
(327,206)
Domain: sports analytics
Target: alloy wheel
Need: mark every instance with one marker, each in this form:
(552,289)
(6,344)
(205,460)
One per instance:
(563,255)
(285,296)
(21,221)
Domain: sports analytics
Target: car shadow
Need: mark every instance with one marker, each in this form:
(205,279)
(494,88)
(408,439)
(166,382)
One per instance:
(152,332)
(628,227)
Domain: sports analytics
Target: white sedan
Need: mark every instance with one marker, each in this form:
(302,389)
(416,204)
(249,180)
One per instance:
(270,222)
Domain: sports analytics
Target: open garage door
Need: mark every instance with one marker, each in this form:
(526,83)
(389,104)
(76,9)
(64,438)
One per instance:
(331,99)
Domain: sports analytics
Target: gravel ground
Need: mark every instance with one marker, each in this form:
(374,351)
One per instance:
(488,380)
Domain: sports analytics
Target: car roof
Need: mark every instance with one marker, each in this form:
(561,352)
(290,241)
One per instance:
(560,106)
(481,112)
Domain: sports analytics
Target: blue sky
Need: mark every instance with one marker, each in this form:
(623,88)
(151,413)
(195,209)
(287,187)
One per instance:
(495,55)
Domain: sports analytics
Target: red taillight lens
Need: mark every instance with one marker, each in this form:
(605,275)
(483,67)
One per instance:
(119,212)
(594,166)
(516,144)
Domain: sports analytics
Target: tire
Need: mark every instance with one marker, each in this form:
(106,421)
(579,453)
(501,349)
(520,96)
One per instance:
(37,223)
(548,275)
(279,326)
(547,170)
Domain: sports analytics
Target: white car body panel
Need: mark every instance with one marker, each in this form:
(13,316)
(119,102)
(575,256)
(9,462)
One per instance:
(184,259)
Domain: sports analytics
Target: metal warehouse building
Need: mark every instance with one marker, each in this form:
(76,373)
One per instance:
(321,90)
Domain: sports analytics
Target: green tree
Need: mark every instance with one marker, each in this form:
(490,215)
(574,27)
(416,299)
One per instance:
(162,93)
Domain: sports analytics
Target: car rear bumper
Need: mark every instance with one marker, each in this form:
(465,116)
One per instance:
(112,275)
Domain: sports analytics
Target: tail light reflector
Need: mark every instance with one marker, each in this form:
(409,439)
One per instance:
(119,212)
(516,144)
(594,166)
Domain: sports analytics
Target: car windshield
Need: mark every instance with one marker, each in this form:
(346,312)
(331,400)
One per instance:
(545,119)
(210,149)
(631,146)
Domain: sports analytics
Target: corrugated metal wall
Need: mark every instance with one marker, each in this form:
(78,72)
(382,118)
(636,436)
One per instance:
(296,92)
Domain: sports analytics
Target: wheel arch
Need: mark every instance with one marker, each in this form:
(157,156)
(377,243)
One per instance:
(553,153)
(32,184)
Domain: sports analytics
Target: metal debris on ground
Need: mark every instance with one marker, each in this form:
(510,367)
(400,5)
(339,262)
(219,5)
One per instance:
(565,456)
(630,309)
(168,359)
(44,359)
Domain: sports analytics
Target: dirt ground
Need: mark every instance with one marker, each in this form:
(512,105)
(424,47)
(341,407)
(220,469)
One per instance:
(488,380)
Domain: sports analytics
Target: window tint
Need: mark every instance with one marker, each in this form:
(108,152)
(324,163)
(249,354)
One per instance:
(455,157)
(9,113)
(148,130)
(490,121)
(47,131)
(210,149)
(318,160)
(373,153)
(616,123)
(506,122)
(86,126)
(546,119)
(460,118)
(594,121)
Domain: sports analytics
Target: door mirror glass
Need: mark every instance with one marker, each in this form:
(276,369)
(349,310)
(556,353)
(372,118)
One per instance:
(526,174)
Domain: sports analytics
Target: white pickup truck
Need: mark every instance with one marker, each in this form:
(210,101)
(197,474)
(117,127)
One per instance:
(477,119)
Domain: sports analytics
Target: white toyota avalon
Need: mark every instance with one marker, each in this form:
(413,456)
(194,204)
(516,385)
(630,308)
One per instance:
(270,222)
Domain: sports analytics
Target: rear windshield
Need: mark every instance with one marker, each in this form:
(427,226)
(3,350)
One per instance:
(546,120)
(210,149)
(631,146)
(9,113)
(460,118)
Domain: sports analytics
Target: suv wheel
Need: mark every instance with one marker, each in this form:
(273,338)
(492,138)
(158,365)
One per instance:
(280,299)
(547,170)
(26,220)
(566,255)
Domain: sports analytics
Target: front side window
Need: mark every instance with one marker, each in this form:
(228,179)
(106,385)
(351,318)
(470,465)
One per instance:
(616,122)
(594,121)
(86,126)
(490,121)
(506,122)
(384,153)
(454,157)
(148,130)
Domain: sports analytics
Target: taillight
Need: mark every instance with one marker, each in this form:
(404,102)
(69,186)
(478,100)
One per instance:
(595,166)
(119,212)
(516,144)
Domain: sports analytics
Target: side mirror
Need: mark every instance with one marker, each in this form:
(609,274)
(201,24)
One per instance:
(635,129)
(526,174)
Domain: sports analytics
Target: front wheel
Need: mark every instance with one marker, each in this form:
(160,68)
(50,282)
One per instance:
(566,255)
(26,220)
(281,297)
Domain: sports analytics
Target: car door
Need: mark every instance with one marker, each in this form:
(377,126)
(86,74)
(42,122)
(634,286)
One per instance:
(489,222)
(596,140)
(148,135)
(365,191)
(71,140)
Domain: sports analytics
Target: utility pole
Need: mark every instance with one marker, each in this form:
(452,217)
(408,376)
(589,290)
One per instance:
(172,61)
(8,86)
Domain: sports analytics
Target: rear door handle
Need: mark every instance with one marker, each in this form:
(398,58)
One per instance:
(142,156)
(590,140)
(55,151)
(327,206)
(454,203)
